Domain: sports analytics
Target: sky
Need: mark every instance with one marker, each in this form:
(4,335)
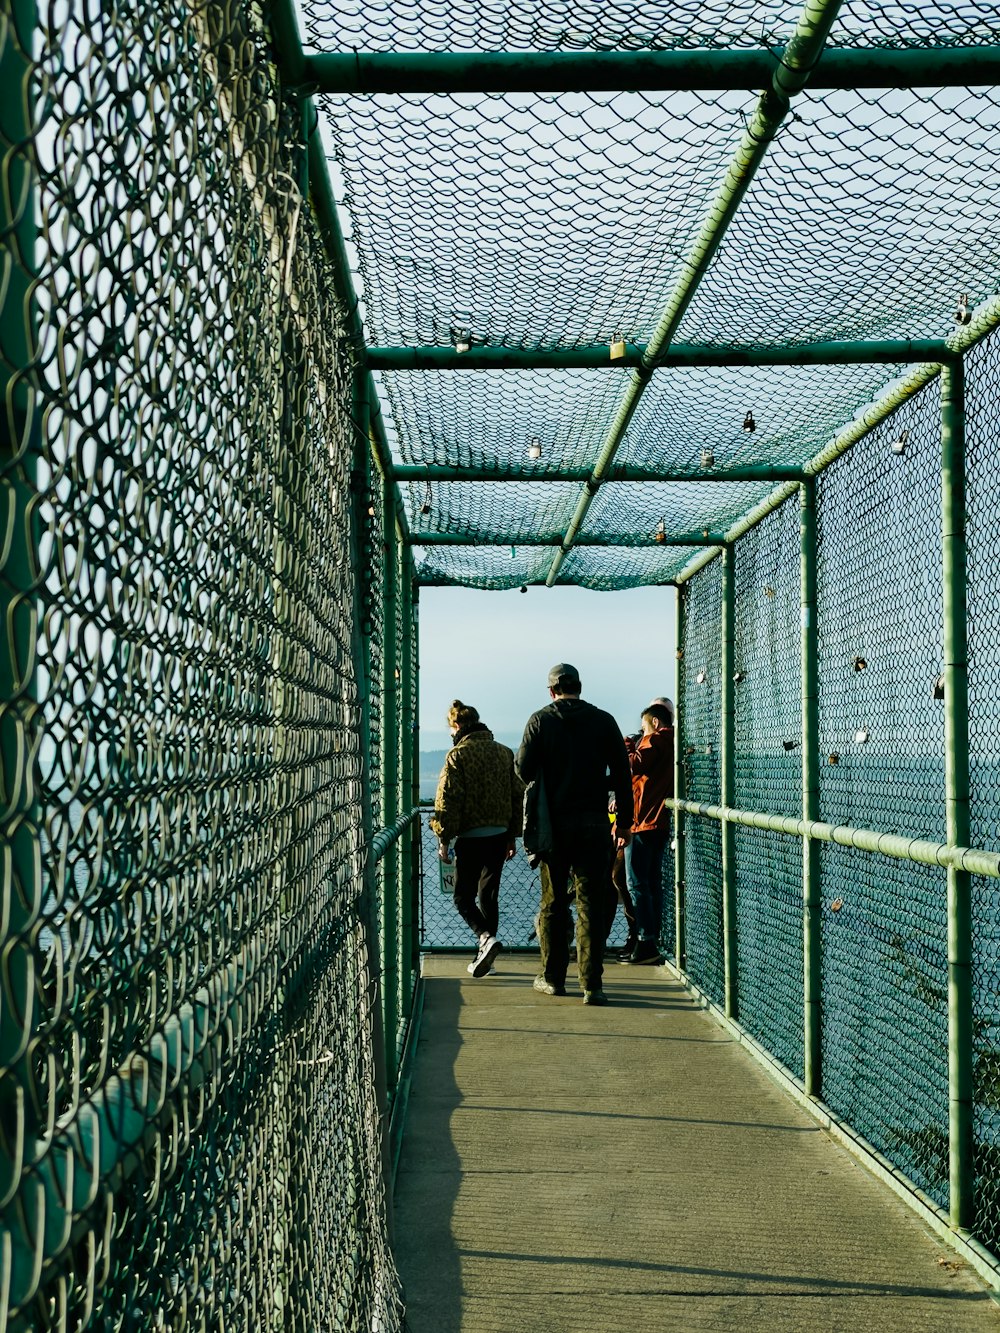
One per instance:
(493,650)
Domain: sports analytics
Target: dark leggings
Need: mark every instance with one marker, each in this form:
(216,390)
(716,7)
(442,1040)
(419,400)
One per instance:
(478,867)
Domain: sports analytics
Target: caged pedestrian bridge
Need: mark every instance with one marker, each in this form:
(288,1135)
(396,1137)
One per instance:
(304,307)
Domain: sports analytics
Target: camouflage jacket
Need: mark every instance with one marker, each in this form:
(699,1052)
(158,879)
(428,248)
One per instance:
(478,788)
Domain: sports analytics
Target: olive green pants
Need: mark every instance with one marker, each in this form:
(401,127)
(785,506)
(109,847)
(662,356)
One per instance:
(578,865)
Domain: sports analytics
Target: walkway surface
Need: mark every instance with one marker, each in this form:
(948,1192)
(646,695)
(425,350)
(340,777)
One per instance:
(568,1169)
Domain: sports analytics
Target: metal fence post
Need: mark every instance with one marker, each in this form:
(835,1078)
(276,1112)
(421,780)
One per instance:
(812,921)
(408,858)
(362,556)
(680,945)
(20,719)
(728,737)
(390,773)
(954,560)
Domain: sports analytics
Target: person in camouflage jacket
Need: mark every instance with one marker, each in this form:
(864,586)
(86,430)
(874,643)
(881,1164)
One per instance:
(478,806)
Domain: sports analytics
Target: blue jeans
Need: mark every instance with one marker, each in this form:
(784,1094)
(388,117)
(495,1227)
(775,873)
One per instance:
(644,873)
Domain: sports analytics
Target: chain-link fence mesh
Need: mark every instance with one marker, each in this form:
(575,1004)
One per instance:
(541,220)
(881,766)
(188,1129)
(441,927)
(768,776)
(884,1038)
(698,737)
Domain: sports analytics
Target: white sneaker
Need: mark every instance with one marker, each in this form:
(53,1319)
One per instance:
(488,950)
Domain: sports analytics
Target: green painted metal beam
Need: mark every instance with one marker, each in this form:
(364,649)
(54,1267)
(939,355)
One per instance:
(555,538)
(680,850)
(727,744)
(847,352)
(445,581)
(984,320)
(417,472)
(894,845)
(812,913)
(961,1052)
(325,210)
(789,78)
(660,71)
(21,718)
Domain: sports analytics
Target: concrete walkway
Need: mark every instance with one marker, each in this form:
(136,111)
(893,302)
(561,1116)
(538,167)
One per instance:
(567,1169)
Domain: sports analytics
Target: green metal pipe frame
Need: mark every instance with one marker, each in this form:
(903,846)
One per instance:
(417,472)
(661,71)
(812,916)
(408,797)
(788,78)
(387,837)
(956,744)
(680,857)
(679,356)
(325,209)
(727,744)
(20,719)
(391,805)
(361,647)
(894,845)
(554,539)
(984,320)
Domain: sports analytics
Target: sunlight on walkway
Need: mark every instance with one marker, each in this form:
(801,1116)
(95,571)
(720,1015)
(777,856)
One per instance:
(576,1170)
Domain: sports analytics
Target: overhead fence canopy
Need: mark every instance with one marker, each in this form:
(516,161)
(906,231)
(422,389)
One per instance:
(701,241)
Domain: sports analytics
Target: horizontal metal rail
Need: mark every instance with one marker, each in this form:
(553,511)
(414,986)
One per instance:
(383,840)
(555,539)
(679,356)
(619,472)
(895,845)
(984,320)
(659,71)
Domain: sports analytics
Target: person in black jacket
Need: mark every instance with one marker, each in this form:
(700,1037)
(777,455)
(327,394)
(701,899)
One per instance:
(577,752)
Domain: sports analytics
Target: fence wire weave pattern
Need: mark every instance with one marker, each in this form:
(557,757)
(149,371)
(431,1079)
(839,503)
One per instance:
(208,571)
(560,220)
(188,1130)
(881,699)
(768,776)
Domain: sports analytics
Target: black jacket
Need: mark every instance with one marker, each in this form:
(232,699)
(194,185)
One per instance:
(579,752)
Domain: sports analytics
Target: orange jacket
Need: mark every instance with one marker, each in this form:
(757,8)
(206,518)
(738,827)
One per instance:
(651,760)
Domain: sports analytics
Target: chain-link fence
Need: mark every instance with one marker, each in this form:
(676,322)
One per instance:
(890,1002)
(189,1132)
(442,928)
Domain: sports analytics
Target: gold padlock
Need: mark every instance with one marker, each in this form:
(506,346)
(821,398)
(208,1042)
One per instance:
(617,347)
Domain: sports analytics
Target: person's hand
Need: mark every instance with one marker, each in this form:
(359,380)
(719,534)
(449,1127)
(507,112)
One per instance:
(623,839)
(511,848)
(444,852)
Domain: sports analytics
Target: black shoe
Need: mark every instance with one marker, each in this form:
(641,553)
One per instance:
(645,952)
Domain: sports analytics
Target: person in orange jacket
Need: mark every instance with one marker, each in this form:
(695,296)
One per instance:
(651,759)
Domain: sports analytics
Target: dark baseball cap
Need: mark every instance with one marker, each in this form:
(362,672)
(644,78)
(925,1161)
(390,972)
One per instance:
(562,671)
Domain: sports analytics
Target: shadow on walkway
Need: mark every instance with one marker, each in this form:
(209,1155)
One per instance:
(567,1169)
